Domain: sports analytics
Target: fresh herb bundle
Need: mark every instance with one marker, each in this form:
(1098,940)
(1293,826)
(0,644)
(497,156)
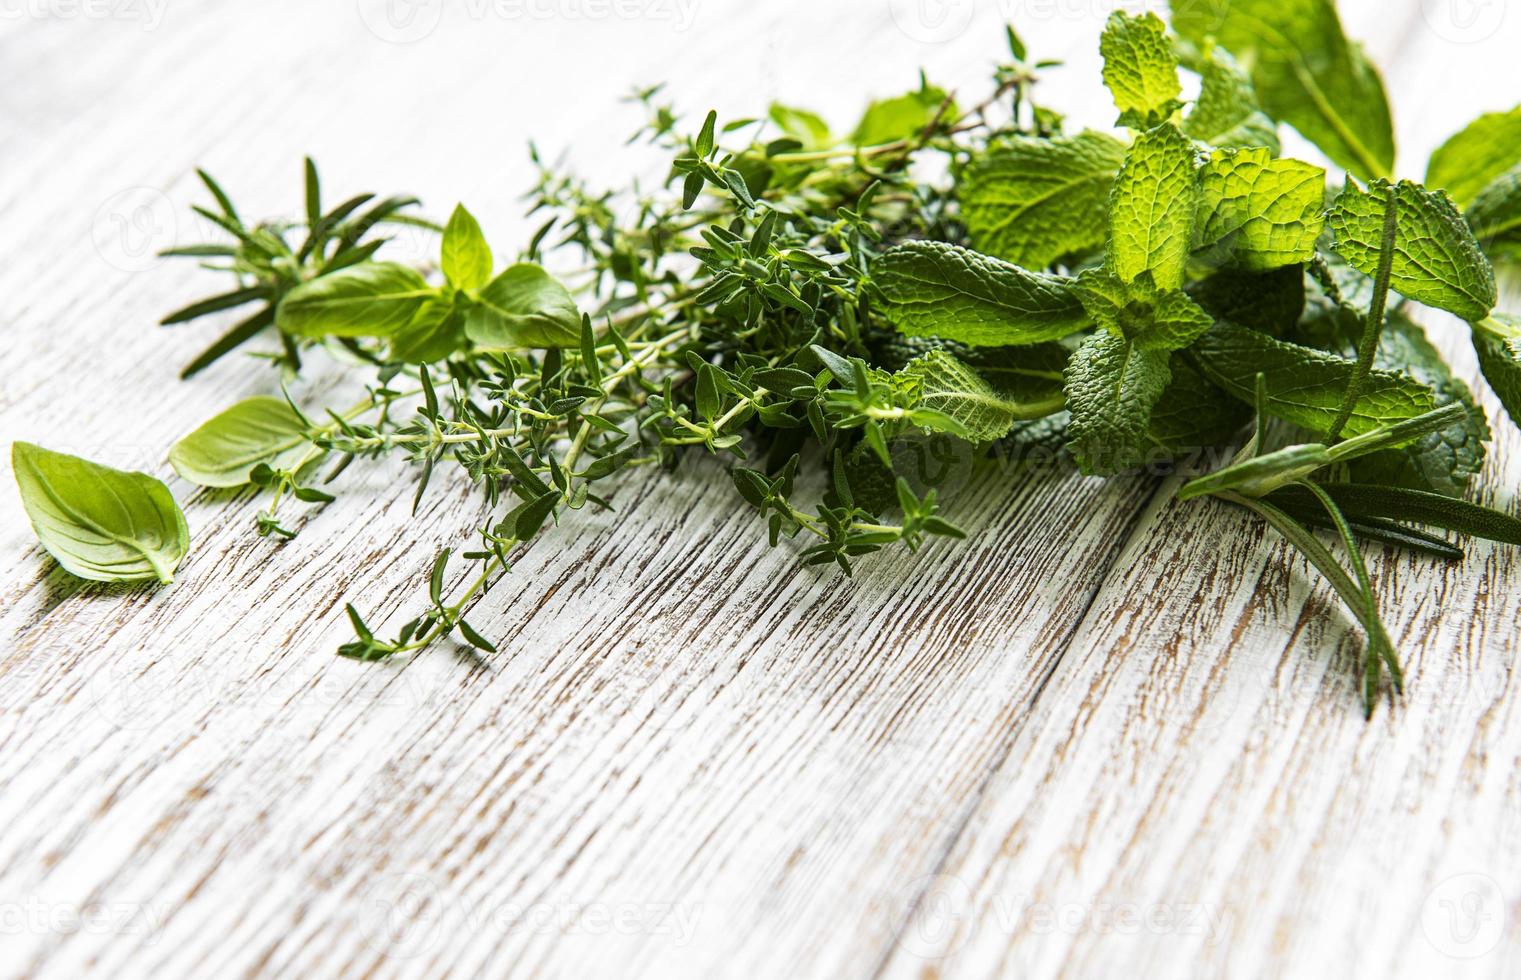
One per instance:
(801,301)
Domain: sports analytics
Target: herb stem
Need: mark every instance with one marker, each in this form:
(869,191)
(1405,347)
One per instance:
(1374,327)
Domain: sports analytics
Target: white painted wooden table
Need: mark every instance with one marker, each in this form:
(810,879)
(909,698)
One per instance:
(1111,735)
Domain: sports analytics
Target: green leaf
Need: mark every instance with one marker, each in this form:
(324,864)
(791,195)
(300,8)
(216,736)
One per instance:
(931,289)
(1151,210)
(436,332)
(1257,212)
(1227,113)
(1271,302)
(1497,341)
(1306,73)
(524,307)
(1475,157)
(1414,507)
(1031,201)
(1261,475)
(901,118)
(100,524)
(806,127)
(1140,69)
(1112,387)
(466,258)
(1031,376)
(982,413)
(1495,215)
(222,452)
(1304,386)
(372,299)
(1436,259)
(1193,414)
(1152,318)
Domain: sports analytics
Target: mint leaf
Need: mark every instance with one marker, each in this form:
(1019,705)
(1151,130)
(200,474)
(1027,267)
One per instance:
(1306,73)
(466,258)
(372,299)
(1495,215)
(1227,113)
(1112,387)
(1151,210)
(982,413)
(524,307)
(1154,319)
(1257,212)
(1304,386)
(1475,157)
(1436,259)
(222,451)
(1140,69)
(1271,302)
(100,524)
(1031,201)
(1497,341)
(1193,413)
(931,289)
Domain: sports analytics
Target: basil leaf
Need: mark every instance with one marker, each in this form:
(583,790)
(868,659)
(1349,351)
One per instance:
(1151,211)
(466,258)
(1306,73)
(1436,259)
(1155,319)
(1031,201)
(1227,113)
(1304,386)
(1475,157)
(931,289)
(372,299)
(223,451)
(1140,69)
(436,332)
(901,118)
(806,127)
(1257,212)
(1112,386)
(524,307)
(100,524)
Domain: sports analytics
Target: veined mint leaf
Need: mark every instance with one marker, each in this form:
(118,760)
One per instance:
(1305,386)
(1306,73)
(1271,302)
(1193,414)
(1151,210)
(1436,259)
(1495,215)
(1112,388)
(931,289)
(1152,318)
(1140,69)
(524,307)
(101,524)
(1475,157)
(1257,212)
(1227,113)
(1497,341)
(1034,200)
(948,387)
(372,299)
(222,451)
(466,258)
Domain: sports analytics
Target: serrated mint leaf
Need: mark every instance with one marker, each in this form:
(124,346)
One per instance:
(1436,259)
(1194,414)
(1151,209)
(1497,341)
(1271,302)
(1495,215)
(1152,318)
(1140,69)
(221,452)
(1112,386)
(951,388)
(931,289)
(524,307)
(1257,212)
(1306,73)
(1227,113)
(465,256)
(1032,201)
(100,524)
(1305,386)
(1474,158)
(372,299)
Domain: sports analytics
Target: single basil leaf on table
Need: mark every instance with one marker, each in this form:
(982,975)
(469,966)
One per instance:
(372,299)
(1476,156)
(1436,259)
(1306,74)
(1112,386)
(1032,201)
(100,524)
(1152,318)
(222,451)
(932,289)
(1258,213)
(465,256)
(1304,385)
(1152,206)
(1140,69)
(1227,113)
(524,307)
